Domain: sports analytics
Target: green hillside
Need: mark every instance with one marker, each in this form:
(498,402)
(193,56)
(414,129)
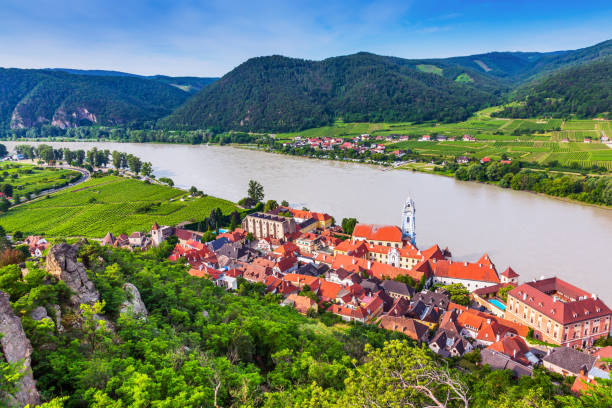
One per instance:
(583,90)
(52,97)
(281,94)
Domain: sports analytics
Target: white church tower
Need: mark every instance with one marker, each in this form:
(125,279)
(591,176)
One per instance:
(408,228)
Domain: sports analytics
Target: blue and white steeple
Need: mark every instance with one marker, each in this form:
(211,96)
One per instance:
(408,220)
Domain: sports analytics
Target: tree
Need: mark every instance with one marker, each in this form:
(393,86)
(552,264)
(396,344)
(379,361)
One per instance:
(348,225)
(285,203)
(134,163)
(3,151)
(117,159)
(458,294)
(4,204)
(91,156)
(398,375)
(270,205)
(93,327)
(7,190)
(503,292)
(255,191)
(147,169)
(79,157)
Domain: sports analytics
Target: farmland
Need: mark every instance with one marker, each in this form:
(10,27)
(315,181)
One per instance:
(534,140)
(30,179)
(109,203)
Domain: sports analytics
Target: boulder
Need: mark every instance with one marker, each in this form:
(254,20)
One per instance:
(134,304)
(62,263)
(39,313)
(58,318)
(17,349)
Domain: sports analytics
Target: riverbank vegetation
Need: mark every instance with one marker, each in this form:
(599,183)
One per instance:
(110,203)
(201,346)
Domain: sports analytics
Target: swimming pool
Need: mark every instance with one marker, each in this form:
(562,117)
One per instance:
(498,304)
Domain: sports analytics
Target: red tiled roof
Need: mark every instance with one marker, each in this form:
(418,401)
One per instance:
(329,290)
(286,263)
(513,347)
(287,248)
(509,273)
(382,270)
(534,294)
(301,280)
(482,272)
(302,303)
(390,233)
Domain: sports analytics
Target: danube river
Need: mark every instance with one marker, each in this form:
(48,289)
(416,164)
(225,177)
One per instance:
(536,235)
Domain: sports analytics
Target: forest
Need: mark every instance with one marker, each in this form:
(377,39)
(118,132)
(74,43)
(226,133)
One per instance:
(200,346)
(583,91)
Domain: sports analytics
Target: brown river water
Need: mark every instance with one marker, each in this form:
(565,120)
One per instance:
(536,235)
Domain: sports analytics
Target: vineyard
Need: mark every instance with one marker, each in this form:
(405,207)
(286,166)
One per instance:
(29,179)
(534,140)
(108,204)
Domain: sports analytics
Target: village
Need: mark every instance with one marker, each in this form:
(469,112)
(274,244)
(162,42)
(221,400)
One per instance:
(377,275)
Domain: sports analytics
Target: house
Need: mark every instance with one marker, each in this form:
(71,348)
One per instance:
(440,299)
(600,370)
(485,160)
(237,235)
(463,160)
(568,361)
(559,312)
(160,234)
(468,138)
(302,303)
(387,235)
(184,235)
(397,289)
(425,138)
(471,275)
(509,276)
(137,239)
(263,225)
(516,349)
(108,239)
(587,140)
(409,327)
(501,361)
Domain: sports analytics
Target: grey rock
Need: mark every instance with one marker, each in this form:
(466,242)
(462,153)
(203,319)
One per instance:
(17,349)
(39,313)
(134,304)
(62,263)
(205,314)
(58,318)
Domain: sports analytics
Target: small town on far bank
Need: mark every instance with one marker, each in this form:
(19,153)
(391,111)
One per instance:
(377,275)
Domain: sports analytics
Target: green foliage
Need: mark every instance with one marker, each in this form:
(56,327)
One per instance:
(503,292)
(458,293)
(361,87)
(255,191)
(49,95)
(348,225)
(583,90)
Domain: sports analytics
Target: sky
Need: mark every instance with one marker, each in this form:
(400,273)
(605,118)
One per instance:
(209,38)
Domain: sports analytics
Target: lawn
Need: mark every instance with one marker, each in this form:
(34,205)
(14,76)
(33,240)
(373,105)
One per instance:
(430,69)
(110,203)
(27,178)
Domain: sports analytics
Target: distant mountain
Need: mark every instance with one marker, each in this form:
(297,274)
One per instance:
(65,99)
(278,94)
(584,90)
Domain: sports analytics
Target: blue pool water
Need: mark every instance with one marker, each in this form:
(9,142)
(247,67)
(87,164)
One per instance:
(222,230)
(498,304)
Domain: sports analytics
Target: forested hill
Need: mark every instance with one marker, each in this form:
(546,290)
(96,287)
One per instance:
(54,97)
(278,93)
(583,90)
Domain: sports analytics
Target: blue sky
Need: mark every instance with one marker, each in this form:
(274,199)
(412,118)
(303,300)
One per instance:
(209,38)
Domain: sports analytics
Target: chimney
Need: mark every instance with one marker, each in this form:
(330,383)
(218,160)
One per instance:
(488,321)
(353,260)
(465,263)
(497,338)
(369,264)
(594,296)
(554,299)
(514,353)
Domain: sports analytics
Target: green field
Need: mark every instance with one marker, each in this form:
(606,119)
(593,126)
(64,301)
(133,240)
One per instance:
(536,140)
(110,203)
(27,178)
(430,69)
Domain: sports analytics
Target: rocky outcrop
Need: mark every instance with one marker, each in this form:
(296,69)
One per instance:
(17,349)
(39,313)
(134,304)
(62,263)
(58,318)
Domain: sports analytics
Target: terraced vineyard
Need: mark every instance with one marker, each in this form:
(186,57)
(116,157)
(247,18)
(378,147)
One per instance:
(110,203)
